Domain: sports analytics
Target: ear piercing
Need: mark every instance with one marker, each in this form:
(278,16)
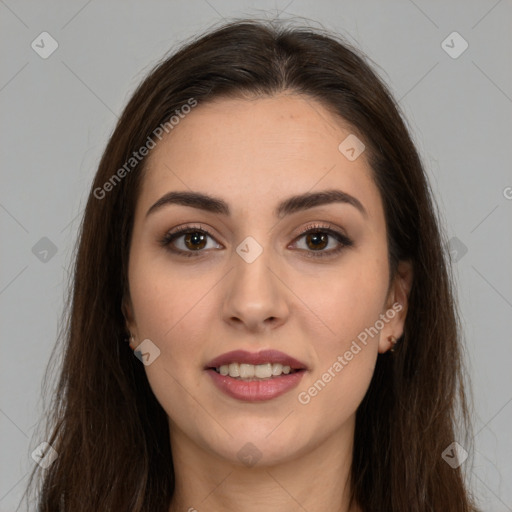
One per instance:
(131,341)
(392,340)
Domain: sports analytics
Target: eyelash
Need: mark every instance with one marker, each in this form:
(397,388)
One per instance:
(345,242)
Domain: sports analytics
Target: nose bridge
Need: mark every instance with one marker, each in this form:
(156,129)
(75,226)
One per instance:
(254,294)
(252,277)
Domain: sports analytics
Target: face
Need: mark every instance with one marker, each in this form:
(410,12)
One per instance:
(257,272)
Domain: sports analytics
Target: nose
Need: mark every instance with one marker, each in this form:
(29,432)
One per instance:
(255,295)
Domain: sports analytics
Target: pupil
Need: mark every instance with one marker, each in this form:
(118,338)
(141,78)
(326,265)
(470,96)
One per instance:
(194,238)
(317,239)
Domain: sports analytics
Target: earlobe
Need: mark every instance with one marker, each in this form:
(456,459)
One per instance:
(131,342)
(392,340)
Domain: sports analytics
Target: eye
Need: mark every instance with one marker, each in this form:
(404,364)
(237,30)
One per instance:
(319,237)
(193,240)
(188,241)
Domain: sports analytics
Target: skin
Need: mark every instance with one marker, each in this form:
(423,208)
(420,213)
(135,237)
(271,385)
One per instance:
(194,309)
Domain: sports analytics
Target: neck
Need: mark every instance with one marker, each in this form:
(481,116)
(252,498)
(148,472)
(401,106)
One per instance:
(316,480)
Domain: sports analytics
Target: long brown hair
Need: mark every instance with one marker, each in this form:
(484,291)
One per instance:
(110,432)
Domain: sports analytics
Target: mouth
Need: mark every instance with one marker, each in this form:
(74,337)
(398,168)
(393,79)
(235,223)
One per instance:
(249,372)
(255,376)
(247,365)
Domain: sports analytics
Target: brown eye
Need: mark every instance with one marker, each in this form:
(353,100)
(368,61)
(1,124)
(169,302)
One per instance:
(189,241)
(322,241)
(195,241)
(317,240)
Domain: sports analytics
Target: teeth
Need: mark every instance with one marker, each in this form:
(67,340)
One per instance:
(247,371)
(263,371)
(234,370)
(250,371)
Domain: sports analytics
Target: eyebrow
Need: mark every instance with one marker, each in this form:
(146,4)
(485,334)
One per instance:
(288,206)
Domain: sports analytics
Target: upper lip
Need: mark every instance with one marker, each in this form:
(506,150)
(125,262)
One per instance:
(262,357)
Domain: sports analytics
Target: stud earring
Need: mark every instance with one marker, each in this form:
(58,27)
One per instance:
(392,340)
(131,341)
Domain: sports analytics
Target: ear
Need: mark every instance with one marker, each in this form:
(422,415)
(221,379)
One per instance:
(396,305)
(127,310)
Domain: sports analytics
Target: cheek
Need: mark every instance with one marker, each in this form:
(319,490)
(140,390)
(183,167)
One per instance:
(165,296)
(344,303)
(332,395)
(174,311)
(346,342)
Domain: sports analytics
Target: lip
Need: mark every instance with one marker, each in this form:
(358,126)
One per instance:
(256,390)
(261,389)
(262,357)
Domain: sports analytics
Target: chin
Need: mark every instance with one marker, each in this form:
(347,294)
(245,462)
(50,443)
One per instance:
(259,446)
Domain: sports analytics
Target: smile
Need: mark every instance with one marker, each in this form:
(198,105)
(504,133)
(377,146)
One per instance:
(250,371)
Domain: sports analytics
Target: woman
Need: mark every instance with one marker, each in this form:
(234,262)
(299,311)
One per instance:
(261,235)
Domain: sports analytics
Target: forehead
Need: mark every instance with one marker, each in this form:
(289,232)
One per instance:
(254,151)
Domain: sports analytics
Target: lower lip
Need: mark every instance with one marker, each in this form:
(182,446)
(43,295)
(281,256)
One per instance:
(256,390)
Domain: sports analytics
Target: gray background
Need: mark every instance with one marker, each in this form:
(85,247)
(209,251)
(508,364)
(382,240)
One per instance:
(58,113)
